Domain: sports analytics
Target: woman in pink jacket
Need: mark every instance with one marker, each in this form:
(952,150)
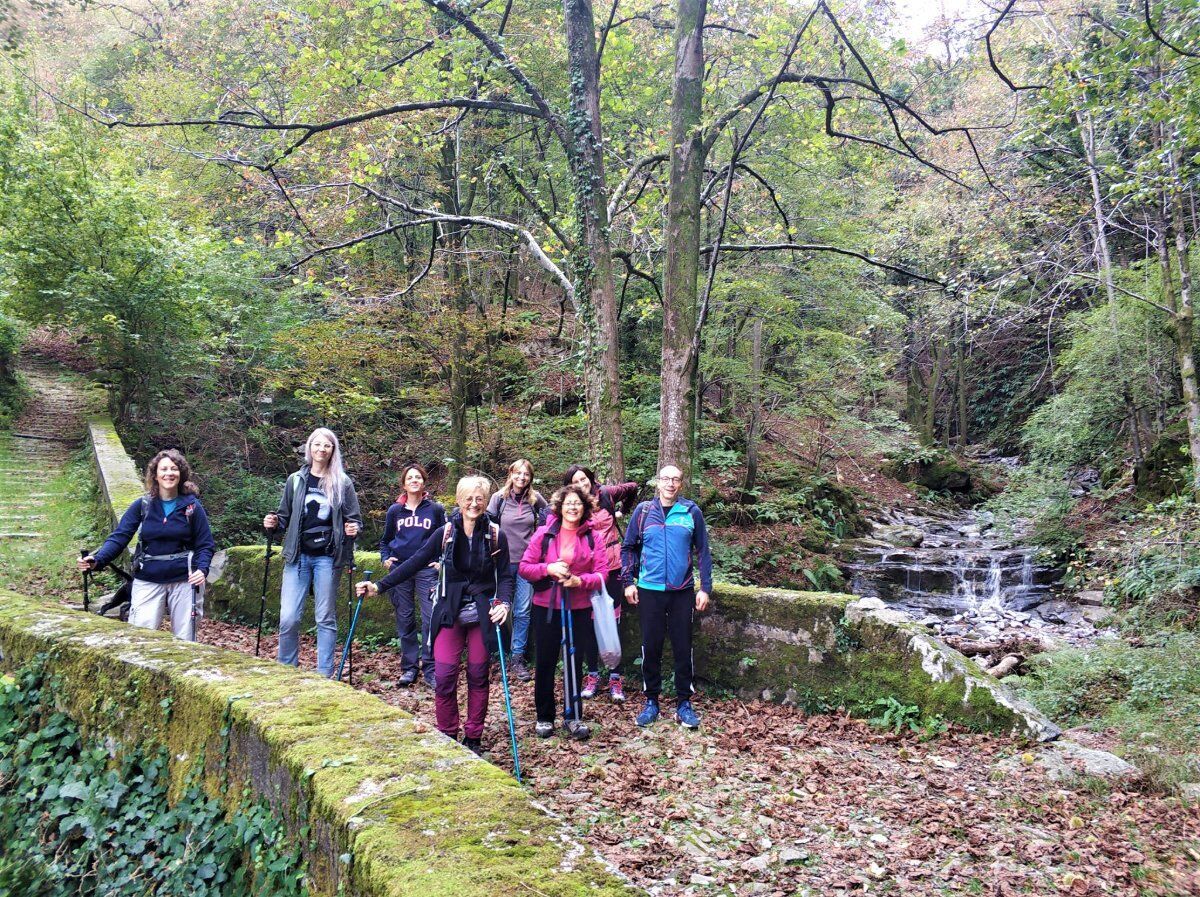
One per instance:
(566,563)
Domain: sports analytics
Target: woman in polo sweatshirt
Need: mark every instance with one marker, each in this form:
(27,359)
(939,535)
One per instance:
(566,562)
(519,509)
(175,547)
(611,502)
(319,514)
(408,524)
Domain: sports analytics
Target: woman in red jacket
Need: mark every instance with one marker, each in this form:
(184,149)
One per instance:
(566,563)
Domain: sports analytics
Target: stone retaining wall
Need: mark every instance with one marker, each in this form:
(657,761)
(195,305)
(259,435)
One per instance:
(815,649)
(391,807)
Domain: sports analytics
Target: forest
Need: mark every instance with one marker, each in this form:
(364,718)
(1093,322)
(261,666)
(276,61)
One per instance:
(837,271)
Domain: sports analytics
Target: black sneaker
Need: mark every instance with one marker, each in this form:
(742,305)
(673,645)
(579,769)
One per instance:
(578,729)
(474,745)
(407,678)
(519,669)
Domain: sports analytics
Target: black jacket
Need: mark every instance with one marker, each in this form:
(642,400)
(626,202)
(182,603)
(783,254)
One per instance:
(474,569)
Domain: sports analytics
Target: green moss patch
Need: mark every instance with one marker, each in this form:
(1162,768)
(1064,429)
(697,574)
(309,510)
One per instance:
(388,804)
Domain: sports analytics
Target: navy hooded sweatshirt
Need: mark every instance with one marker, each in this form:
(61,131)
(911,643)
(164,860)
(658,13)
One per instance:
(405,531)
(184,529)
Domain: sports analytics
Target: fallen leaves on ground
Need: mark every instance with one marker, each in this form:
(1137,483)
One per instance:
(766,800)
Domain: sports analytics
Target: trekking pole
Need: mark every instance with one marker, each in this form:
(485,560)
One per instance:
(87,575)
(576,701)
(350,634)
(512,722)
(262,603)
(350,610)
(195,597)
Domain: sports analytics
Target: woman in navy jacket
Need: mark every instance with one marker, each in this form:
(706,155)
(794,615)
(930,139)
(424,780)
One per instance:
(175,547)
(408,524)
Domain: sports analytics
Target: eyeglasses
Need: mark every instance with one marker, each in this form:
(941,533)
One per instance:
(475,500)
(670,479)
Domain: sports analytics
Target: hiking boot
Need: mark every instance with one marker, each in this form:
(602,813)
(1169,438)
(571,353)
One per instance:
(430,680)
(686,716)
(578,729)
(543,729)
(518,668)
(474,745)
(591,682)
(616,688)
(649,713)
(407,678)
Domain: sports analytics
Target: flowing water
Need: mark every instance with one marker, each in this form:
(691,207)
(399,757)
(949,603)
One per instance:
(945,566)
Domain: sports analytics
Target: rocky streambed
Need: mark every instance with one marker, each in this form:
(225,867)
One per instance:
(966,578)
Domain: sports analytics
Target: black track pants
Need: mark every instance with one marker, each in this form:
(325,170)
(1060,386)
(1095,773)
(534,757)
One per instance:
(666,614)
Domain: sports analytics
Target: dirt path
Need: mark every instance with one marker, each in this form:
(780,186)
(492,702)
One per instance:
(43,503)
(765,800)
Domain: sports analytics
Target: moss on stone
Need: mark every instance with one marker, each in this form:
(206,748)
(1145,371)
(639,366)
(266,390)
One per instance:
(410,806)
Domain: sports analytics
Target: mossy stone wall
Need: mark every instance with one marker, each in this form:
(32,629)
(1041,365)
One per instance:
(807,648)
(116,473)
(390,806)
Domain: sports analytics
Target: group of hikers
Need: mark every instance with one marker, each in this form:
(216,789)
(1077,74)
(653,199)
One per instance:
(509,560)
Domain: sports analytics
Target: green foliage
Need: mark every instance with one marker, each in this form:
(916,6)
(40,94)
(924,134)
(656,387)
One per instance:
(11,392)
(1149,694)
(729,564)
(75,822)
(898,717)
(1041,494)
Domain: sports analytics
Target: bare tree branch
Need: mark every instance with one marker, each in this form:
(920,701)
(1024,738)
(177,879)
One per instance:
(821,247)
(1159,37)
(987,42)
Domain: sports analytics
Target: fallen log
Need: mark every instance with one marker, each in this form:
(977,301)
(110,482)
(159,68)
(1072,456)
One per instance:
(1007,665)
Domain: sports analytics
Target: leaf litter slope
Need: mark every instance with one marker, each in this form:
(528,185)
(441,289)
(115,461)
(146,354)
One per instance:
(767,800)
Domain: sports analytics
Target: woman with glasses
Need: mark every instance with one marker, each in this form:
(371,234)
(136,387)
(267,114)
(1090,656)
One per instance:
(320,518)
(473,598)
(664,535)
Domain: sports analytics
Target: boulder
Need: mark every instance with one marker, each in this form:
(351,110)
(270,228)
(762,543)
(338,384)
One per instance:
(1097,616)
(1058,611)
(1090,598)
(900,535)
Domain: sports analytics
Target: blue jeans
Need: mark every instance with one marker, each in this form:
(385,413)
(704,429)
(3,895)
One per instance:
(522,597)
(406,599)
(297,577)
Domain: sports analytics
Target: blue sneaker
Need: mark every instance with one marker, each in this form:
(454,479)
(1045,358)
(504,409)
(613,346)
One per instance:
(649,713)
(686,716)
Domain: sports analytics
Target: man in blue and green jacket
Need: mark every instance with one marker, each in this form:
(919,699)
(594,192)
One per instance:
(663,536)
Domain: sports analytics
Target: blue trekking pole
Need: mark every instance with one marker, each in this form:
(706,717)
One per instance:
(512,723)
(350,634)
(576,701)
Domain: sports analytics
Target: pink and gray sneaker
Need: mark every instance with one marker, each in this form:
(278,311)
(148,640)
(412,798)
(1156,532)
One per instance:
(591,682)
(616,688)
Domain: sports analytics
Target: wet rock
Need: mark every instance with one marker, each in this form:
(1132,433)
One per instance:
(1058,611)
(900,535)
(1097,616)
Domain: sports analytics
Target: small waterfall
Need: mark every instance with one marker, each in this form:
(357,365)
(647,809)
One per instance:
(944,566)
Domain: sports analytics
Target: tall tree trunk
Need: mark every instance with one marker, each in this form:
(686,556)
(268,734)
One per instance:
(960,385)
(1104,263)
(756,399)
(676,437)
(452,239)
(1184,316)
(929,419)
(595,289)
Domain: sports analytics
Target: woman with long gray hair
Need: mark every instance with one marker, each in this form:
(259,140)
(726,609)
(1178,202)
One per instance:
(320,518)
